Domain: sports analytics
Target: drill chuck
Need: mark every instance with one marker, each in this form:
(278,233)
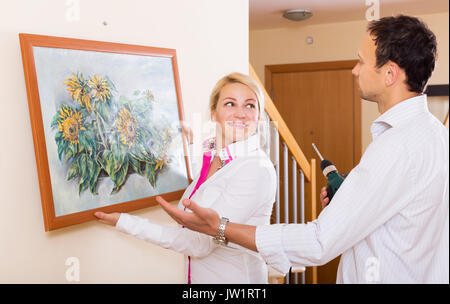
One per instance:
(327,167)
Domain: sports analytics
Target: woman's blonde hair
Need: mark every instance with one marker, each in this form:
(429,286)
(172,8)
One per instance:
(236,78)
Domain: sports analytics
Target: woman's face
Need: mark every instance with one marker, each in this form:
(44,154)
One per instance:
(236,113)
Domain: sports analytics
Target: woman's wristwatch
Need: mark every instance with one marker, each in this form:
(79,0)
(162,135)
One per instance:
(220,236)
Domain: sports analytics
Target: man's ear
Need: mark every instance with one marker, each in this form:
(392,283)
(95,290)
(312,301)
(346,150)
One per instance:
(392,73)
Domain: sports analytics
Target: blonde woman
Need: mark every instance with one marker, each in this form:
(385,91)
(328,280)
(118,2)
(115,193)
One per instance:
(237,180)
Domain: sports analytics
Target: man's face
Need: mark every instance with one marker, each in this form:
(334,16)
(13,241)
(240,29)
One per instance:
(370,78)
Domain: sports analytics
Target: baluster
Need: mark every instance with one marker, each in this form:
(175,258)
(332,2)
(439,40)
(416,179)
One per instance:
(294,201)
(277,169)
(286,190)
(302,209)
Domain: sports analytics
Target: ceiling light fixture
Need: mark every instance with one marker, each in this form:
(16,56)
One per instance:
(297,14)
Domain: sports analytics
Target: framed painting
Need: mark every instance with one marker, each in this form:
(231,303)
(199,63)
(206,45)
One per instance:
(105,119)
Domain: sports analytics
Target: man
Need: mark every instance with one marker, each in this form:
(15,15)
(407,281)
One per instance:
(390,217)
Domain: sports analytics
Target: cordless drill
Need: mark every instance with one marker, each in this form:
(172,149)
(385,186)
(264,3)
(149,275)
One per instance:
(331,174)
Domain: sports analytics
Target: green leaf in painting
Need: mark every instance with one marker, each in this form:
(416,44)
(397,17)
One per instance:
(84,141)
(122,173)
(68,153)
(102,110)
(61,148)
(90,166)
(94,178)
(89,171)
(135,165)
(83,186)
(119,151)
(108,162)
(120,177)
(54,122)
(150,173)
(84,172)
(71,150)
(74,148)
(87,141)
(73,170)
(58,137)
(83,165)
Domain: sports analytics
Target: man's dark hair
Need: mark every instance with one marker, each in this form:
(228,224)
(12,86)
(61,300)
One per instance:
(408,42)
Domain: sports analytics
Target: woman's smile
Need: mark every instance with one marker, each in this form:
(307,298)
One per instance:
(237,124)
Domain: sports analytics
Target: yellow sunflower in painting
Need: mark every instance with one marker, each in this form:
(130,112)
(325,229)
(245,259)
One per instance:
(161,161)
(100,89)
(79,90)
(70,124)
(127,127)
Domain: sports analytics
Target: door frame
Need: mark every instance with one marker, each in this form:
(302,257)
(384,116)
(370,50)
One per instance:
(325,66)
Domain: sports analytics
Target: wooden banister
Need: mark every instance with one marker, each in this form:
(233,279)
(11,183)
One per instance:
(283,129)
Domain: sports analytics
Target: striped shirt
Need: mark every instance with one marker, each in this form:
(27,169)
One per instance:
(390,217)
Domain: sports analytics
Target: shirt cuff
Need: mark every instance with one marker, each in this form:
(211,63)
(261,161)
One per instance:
(268,241)
(139,227)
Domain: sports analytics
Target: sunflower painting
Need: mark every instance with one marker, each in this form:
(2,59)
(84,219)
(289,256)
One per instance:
(112,145)
(110,128)
(100,138)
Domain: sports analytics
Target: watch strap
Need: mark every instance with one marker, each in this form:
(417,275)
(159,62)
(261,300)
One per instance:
(220,236)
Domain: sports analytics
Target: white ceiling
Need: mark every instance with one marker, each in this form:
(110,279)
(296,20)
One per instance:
(265,14)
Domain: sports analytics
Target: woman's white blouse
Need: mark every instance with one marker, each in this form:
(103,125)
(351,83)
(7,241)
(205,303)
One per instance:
(244,192)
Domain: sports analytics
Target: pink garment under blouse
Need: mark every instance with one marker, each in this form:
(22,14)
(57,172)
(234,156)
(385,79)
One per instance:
(203,174)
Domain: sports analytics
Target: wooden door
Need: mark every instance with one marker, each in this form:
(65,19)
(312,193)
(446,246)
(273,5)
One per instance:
(320,103)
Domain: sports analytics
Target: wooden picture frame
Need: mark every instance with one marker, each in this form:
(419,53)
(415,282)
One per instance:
(105,124)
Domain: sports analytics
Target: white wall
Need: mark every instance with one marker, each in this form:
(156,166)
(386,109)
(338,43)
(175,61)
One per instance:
(334,42)
(209,44)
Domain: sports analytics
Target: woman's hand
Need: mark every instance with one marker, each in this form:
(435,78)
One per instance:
(187,131)
(107,218)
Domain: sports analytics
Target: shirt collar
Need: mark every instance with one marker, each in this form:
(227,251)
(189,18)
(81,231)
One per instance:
(241,148)
(399,114)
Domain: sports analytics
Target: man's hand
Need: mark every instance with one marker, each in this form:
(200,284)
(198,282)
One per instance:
(204,220)
(323,197)
(107,218)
